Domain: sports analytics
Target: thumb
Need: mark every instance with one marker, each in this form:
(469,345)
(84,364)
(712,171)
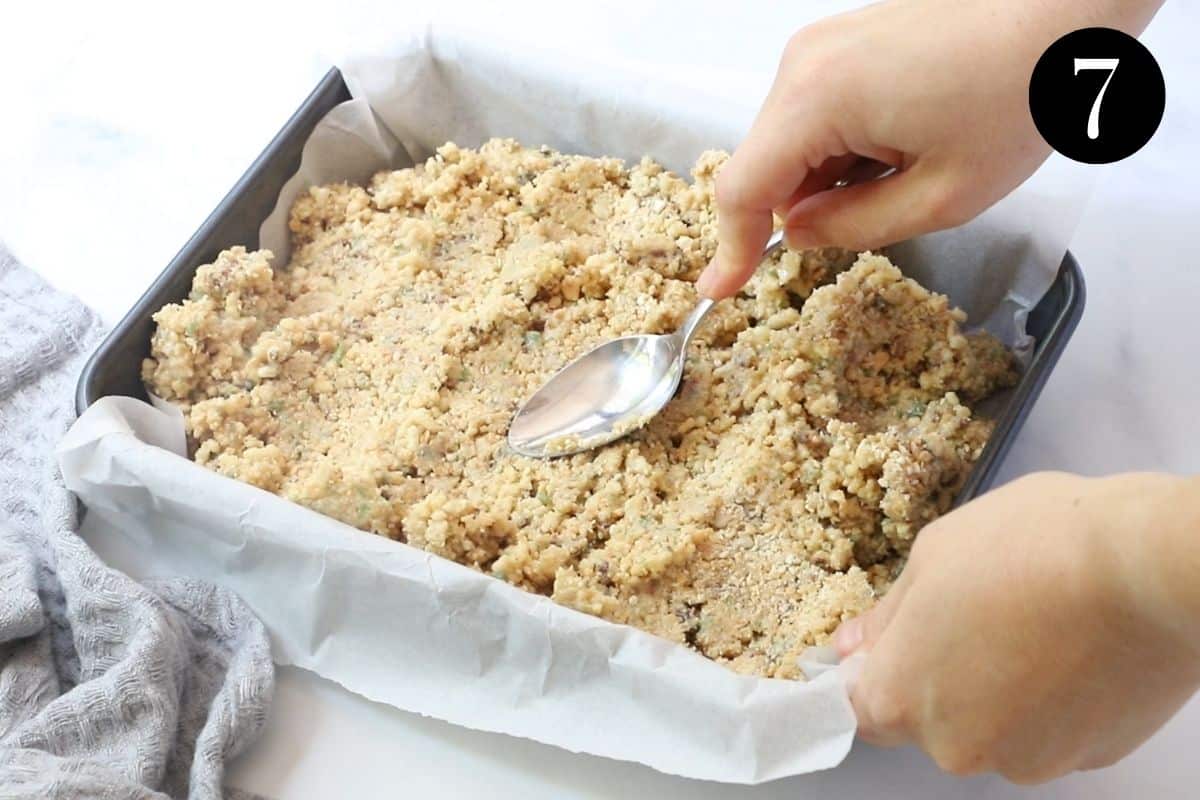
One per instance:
(867,216)
(861,632)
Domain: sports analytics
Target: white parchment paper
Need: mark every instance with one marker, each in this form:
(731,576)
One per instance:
(407,628)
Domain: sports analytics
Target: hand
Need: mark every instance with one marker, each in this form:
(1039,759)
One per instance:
(1048,626)
(937,89)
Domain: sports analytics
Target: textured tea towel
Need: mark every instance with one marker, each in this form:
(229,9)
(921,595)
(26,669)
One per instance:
(108,688)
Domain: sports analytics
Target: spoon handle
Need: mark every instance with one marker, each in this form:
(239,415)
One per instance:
(693,319)
(773,244)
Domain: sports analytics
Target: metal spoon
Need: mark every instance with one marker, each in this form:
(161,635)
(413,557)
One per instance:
(607,392)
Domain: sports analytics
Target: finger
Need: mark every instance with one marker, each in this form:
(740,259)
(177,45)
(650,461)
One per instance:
(882,716)
(1105,757)
(836,173)
(864,630)
(743,234)
(882,705)
(870,215)
(786,142)
(873,733)
(820,179)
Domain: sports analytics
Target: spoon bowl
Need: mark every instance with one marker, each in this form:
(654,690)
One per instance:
(604,394)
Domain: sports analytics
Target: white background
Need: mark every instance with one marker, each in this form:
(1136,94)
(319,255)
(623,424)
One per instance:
(123,125)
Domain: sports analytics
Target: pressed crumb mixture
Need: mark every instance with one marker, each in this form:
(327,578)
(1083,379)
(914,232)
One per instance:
(822,421)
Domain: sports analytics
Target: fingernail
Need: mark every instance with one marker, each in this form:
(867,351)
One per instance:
(848,636)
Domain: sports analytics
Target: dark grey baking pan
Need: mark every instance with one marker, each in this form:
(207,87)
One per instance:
(115,366)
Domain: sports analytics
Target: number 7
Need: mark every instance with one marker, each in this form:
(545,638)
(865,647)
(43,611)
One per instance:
(1110,64)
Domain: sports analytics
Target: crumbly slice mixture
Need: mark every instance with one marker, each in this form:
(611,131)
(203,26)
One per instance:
(820,424)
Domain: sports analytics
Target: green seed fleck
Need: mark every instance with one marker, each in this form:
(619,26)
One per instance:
(338,353)
(533,339)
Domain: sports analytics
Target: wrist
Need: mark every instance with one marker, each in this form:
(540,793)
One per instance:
(1178,555)
(1152,522)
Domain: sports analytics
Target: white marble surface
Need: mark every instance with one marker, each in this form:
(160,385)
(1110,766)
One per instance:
(124,124)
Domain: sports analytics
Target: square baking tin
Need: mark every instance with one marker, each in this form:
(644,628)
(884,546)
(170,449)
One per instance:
(115,367)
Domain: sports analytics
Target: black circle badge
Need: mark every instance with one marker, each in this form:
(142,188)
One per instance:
(1097,95)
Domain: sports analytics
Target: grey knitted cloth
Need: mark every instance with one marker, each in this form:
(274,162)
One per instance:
(108,688)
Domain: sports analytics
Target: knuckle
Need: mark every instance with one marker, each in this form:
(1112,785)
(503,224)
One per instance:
(811,36)
(927,540)
(1101,762)
(1030,775)
(929,532)
(813,58)
(799,44)
(959,761)
(1030,768)
(730,190)
(1092,757)
(947,205)
(888,714)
